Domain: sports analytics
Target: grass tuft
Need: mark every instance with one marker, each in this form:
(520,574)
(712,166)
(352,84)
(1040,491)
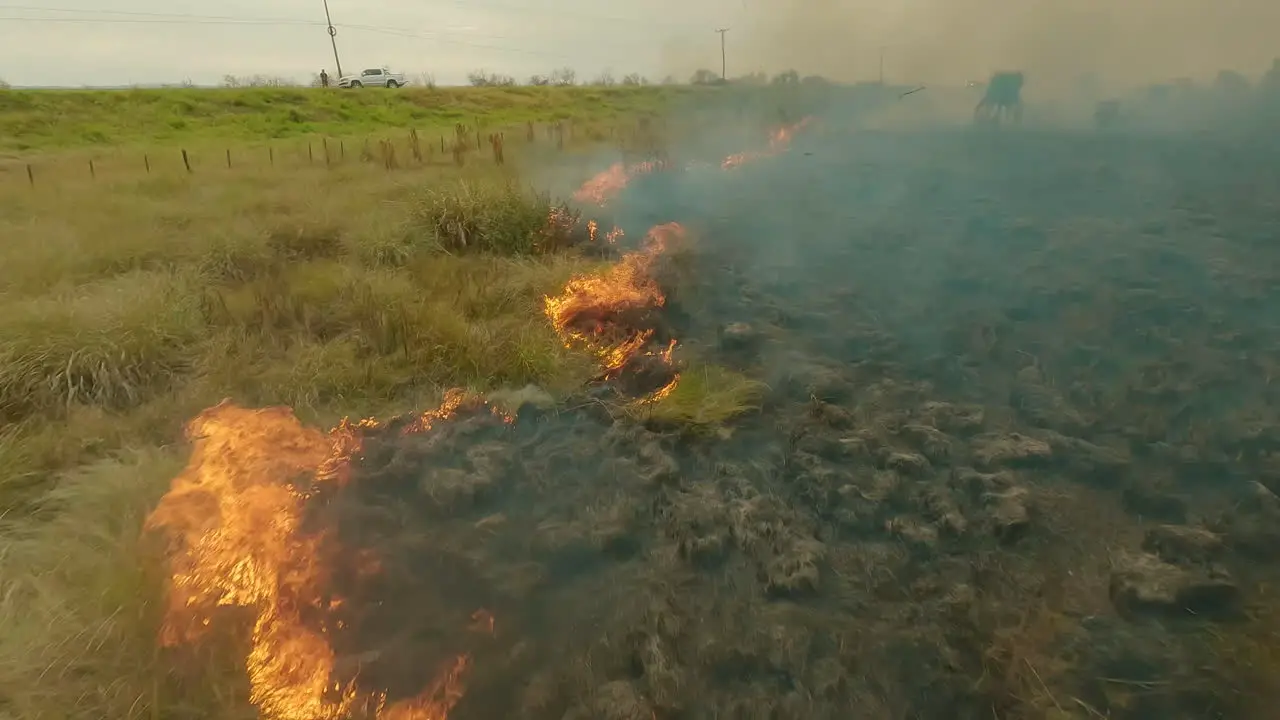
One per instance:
(704,398)
(501,218)
(110,344)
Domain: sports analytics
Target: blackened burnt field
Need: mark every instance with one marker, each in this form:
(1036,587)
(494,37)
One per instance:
(1017,458)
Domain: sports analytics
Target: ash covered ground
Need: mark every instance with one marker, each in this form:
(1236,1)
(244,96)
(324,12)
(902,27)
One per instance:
(1018,458)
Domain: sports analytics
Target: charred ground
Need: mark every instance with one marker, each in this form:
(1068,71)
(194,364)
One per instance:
(1017,458)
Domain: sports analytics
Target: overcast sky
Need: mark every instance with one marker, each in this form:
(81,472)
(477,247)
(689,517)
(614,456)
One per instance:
(67,42)
(79,42)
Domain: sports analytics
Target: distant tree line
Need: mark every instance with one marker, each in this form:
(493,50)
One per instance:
(560,77)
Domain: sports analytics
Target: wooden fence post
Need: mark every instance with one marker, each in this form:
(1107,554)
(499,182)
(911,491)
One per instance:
(146,162)
(414,146)
(31,175)
(186,160)
(311,157)
(93,173)
(271,155)
(325,141)
(228,158)
(495,140)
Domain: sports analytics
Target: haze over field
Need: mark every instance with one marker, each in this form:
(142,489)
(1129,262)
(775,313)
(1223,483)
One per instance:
(1054,41)
(931,41)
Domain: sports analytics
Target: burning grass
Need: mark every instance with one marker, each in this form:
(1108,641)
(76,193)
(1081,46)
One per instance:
(160,296)
(327,305)
(237,540)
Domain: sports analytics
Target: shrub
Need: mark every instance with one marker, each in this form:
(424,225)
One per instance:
(504,219)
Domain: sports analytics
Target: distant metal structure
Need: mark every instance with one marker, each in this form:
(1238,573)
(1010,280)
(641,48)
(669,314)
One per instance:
(1002,99)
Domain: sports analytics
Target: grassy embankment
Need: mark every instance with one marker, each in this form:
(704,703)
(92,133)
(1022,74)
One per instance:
(45,120)
(131,299)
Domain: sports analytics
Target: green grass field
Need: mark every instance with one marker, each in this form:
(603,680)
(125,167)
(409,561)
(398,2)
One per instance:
(46,119)
(133,297)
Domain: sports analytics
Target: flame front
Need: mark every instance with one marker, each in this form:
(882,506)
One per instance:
(588,311)
(608,183)
(233,519)
(779,141)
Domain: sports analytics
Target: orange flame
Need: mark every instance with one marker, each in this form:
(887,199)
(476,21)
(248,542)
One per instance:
(233,519)
(779,141)
(585,313)
(607,184)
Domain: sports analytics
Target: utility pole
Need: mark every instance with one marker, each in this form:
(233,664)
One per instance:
(333,37)
(722,31)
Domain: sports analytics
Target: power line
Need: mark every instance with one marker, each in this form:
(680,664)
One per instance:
(161,19)
(366,28)
(134,17)
(468,4)
(448,41)
(265,22)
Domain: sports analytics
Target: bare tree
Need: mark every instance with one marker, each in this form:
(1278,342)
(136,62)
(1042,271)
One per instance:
(605,79)
(786,77)
(257,81)
(669,80)
(564,76)
(482,78)
(425,79)
(539,80)
(704,77)
(635,79)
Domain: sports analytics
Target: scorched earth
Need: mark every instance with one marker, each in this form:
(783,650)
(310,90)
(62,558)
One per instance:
(1011,452)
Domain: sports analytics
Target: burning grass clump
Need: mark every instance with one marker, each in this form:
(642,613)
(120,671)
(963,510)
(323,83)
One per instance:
(495,217)
(703,396)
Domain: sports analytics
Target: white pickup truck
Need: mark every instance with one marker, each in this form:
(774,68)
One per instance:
(374,77)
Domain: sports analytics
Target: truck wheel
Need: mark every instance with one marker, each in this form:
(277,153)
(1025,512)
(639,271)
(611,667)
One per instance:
(393,84)
(355,84)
